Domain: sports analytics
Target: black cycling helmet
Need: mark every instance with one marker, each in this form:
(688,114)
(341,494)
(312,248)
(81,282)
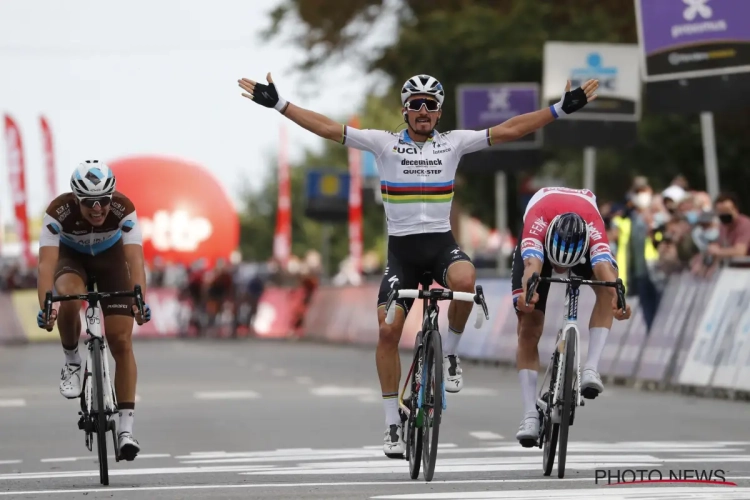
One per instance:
(567,240)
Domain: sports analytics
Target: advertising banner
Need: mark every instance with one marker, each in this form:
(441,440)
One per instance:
(614,65)
(702,296)
(730,298)
(631,347)
(617,335)
(484,106)
(693,38)
(674,310)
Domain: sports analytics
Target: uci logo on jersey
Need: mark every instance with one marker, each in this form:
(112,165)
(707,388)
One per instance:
(409,151)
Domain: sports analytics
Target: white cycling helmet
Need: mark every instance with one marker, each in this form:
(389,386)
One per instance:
(422,84)
(567,240)
(92,179)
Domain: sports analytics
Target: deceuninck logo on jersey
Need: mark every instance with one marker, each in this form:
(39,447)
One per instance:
(484,106)
(614,65)
(693,38)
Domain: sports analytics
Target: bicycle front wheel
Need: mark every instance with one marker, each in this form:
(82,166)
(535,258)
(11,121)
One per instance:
(567,406)
(101,427)
(432,402)
(413,433)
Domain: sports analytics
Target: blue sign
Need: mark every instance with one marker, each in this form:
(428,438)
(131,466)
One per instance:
(327,195)
(484,106)
(607,75)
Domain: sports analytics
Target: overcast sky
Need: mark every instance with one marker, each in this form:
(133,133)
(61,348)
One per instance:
(150,77)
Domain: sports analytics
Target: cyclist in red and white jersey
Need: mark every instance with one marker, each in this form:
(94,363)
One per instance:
(562,229)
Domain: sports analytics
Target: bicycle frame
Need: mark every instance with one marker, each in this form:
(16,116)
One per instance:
(94,330)
(570,320)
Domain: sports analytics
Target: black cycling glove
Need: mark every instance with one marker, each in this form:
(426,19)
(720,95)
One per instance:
(266,95)
(571,102)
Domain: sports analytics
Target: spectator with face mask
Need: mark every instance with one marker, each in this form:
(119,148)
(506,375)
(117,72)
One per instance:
(642,254)
(734,232)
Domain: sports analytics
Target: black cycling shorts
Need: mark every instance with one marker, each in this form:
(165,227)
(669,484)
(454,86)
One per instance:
(585,271)
(409,257)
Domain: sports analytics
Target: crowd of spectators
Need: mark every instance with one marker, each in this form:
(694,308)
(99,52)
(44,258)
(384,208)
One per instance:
(655,235)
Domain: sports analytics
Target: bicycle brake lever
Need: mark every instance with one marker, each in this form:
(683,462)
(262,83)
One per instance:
(48,309)
(479,299)
(390,311)
(620,295)
(531,285)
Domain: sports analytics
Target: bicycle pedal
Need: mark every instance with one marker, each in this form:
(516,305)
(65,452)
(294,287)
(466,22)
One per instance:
(528,443)
(589,393)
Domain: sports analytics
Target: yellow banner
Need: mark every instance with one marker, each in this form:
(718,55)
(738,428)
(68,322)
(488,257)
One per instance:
(26,303)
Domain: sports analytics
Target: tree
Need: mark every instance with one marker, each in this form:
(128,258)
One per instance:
(481,41)
(258,221)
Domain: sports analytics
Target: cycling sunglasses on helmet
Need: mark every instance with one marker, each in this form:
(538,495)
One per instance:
(103,201)
(416,104)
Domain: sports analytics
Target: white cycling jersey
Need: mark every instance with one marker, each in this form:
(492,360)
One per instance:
(417,181)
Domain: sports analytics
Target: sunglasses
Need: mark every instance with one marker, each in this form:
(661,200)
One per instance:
(103,201)
(416,104)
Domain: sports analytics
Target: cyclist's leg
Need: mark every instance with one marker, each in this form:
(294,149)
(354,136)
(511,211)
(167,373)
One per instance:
(599,324)
(387,357)
(453,269)
(70,279)
(112,275)
(530,328)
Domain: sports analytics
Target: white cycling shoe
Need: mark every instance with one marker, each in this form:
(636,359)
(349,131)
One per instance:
(70,381)
(128,446)
(453,373)
(528,431)
(393,442)
(591,384)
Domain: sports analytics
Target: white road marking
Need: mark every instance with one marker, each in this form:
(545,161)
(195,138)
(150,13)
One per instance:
(7,462)
(303,380)
(402,467)
(131,472)
(681,493)
(484,435)
(474,391)
(226,395)
(278,372)
(12,403)
(338,391)
(93,457)
(538,493)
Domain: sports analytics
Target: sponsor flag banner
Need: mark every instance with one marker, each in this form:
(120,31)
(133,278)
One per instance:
(484,106)
(614,65)
(693,38)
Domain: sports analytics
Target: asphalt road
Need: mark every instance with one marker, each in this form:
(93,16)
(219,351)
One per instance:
(263,419)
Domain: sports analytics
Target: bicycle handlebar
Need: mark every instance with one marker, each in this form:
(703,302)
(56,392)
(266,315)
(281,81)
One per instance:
(437,294)
(137,294)
(535,279)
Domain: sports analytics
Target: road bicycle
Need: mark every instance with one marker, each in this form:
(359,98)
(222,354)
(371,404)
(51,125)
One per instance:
(98,407)
(422,410)
(557,406)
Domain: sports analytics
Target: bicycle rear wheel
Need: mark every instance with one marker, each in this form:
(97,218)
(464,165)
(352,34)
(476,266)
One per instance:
(414,434)
(101,426)
(567,406)
(432,401)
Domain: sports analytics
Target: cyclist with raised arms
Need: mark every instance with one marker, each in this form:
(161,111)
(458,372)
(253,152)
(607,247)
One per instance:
(562,229)
(94,230)
(417,168)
